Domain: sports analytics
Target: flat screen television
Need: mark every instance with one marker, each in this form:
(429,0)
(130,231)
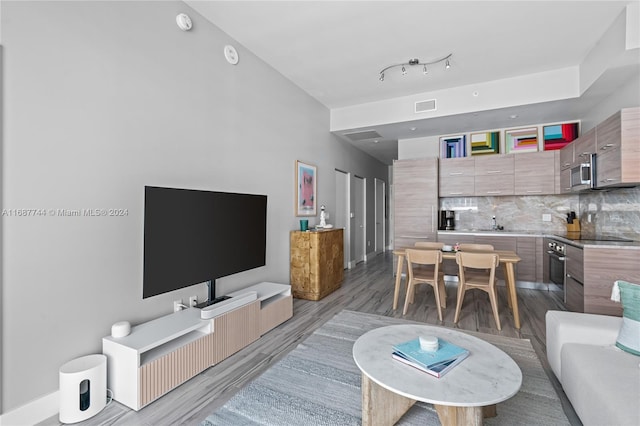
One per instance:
(195,236)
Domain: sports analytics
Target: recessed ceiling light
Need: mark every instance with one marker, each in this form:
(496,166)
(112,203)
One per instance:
(376,141)
(512,116)
(412,128)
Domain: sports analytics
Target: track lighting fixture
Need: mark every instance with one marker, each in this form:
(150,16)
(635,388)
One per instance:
(416,61)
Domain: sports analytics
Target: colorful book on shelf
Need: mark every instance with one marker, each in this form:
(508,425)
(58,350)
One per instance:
(430,360)
(437,370)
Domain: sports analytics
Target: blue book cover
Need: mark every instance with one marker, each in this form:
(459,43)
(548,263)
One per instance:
(447,351)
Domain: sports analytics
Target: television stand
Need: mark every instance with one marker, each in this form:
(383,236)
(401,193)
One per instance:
(161,354)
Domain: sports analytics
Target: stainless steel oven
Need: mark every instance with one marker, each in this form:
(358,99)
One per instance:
(555,253)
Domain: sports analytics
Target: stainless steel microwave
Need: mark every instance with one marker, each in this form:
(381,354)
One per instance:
(583,175)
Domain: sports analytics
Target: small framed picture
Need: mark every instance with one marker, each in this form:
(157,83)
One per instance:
(521,140)
(306,189)
(556,136)
(453,146)
(485,143)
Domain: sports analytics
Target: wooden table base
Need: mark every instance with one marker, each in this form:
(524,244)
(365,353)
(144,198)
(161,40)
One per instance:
(381,407)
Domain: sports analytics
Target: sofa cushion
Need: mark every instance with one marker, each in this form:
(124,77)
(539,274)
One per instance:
(629,335)
(602,383)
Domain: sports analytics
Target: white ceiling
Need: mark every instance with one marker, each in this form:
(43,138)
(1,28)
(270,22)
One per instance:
(334,50)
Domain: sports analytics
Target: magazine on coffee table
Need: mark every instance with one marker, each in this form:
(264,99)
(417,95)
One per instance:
(437,363)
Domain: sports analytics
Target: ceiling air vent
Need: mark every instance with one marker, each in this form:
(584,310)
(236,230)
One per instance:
(365,134)
(424,106)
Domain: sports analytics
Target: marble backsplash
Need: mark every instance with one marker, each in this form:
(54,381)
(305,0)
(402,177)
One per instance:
(615,212)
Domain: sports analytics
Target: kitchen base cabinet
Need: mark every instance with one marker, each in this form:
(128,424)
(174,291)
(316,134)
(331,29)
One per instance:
(527,269)
(506,242)
(450,267)
(602,267)
(574,295)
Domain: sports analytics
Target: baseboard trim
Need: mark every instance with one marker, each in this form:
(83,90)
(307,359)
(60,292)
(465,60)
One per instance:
(33,412)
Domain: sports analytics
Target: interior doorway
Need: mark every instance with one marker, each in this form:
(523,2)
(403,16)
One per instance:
(342,211)
(380,203)
(359,210)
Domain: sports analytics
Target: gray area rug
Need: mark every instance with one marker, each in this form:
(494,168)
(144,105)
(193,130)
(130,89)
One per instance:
(318,383)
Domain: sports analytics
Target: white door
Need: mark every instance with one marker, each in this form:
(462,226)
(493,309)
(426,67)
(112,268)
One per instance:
(359,211)
(342,211)
(379,215)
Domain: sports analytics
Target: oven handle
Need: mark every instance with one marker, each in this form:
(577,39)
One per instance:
(557,256)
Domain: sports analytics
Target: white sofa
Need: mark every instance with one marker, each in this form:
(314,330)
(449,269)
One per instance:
(601,381)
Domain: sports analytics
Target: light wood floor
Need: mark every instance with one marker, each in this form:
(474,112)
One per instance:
(366,288)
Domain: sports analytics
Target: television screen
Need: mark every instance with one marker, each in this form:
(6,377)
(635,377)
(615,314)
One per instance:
(193,236)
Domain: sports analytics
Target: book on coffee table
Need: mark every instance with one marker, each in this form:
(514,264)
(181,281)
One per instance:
(437,363)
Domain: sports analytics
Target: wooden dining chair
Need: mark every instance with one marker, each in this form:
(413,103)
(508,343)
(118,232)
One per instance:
(475,247)
(429,245)
(424,268)
(477,271)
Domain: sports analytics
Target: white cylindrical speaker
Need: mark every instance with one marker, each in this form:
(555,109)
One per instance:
(83,388)
(120,329)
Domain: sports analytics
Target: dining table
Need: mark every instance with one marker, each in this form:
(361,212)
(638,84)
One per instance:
(508,259)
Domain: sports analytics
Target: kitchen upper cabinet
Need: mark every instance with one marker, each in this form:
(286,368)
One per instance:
(618,149)
(494,175)
(566,156)
(415,196)
(565,181)
(584,146)
(457,177)
(535,173)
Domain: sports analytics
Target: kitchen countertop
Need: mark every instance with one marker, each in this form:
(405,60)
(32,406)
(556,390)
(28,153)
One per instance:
(633,245)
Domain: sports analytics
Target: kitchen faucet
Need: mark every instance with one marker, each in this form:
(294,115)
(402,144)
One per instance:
(494,225)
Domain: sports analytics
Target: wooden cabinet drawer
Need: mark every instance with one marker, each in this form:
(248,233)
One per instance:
(574,262)
(491,186)
(460,186)
(495,165)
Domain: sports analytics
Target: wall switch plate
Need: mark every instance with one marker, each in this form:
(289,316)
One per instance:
(176,305)
(546,217)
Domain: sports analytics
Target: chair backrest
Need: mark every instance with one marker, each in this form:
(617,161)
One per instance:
(484,261)
(476,247)
(429,245)
(424,257)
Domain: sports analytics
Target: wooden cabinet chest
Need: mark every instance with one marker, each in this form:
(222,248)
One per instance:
(317,263)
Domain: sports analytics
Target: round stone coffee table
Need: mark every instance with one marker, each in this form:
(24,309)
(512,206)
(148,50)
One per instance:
(464,396)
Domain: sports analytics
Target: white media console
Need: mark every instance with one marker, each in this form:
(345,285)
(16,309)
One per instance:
(162,354)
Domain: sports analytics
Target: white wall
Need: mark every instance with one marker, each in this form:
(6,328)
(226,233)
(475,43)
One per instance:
(100,99)
(426,147)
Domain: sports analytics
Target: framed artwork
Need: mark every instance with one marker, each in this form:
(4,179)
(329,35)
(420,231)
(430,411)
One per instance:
(521,140)
(306,189)
(453,146)
(558,135)
(485,143)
